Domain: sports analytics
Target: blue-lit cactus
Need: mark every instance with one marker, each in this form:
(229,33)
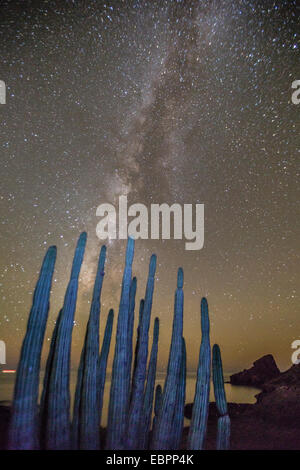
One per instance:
(145,422)
(89,407)
(131,323)
(138,383)
(131,395)
(120,381)
(223,436)
(102,361)
(164,432)
(141,309)
(24,425)
(56,404)
(198,425)
(180,402)
(157,403)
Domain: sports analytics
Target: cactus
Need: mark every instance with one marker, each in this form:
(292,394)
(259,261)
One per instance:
(131,322)
(56,404)
(136,404)
(157,402)
(24,425)
(141,309)
(130,410)
(76,406)
(223,436)
(198,425)
(47,375)
(180,401)
(149,391)
(164,432)
(102,361)
(89,408)
(120,381)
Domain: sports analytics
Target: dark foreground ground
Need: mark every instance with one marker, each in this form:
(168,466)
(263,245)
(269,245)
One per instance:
(249,430)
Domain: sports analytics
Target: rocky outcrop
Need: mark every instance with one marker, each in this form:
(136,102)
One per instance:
(289,378)
(280,406)
(262,371)
(234,410)
(273,422)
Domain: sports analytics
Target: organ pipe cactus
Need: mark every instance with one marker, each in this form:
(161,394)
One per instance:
(157,405)
(102,361)
(164,432)
(57,398)
(136,404)
(180,401)
(24,425)
(47,375)
(89,407)
(223,436)
(76,406)
(129,415)
(157,402)
(120,381)
(149,390)
(131,322)
(137,344)
(198,425)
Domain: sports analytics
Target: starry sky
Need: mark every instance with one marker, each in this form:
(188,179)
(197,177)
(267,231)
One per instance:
(162,101)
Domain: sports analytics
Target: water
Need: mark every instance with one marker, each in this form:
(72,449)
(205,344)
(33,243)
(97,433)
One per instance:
(234,393)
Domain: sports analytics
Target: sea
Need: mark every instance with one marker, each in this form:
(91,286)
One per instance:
(234,393)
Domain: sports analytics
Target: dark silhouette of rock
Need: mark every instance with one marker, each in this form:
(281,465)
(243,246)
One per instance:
(280,406)
(290,378)
(5,413)
(273,422)
(262,371)
(234,409)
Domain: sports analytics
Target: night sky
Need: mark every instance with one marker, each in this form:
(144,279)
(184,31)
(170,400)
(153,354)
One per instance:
(162,101)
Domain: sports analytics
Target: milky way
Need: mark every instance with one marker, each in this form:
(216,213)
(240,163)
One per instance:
(162,101)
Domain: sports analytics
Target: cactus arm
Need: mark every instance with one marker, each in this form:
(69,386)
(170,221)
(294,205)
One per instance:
(120,381)
(89,436)
(198,425)
(180,401)
(131,322)
(102,362)
(163,432)
(24,425)
(149,390)
(136,404)
(57,404)
(223,436)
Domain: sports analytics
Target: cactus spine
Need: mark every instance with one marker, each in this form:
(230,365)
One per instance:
(198,426)
(120,381)
(223,436)
(149,390)
(24,426)
(57,397)
(164,432)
